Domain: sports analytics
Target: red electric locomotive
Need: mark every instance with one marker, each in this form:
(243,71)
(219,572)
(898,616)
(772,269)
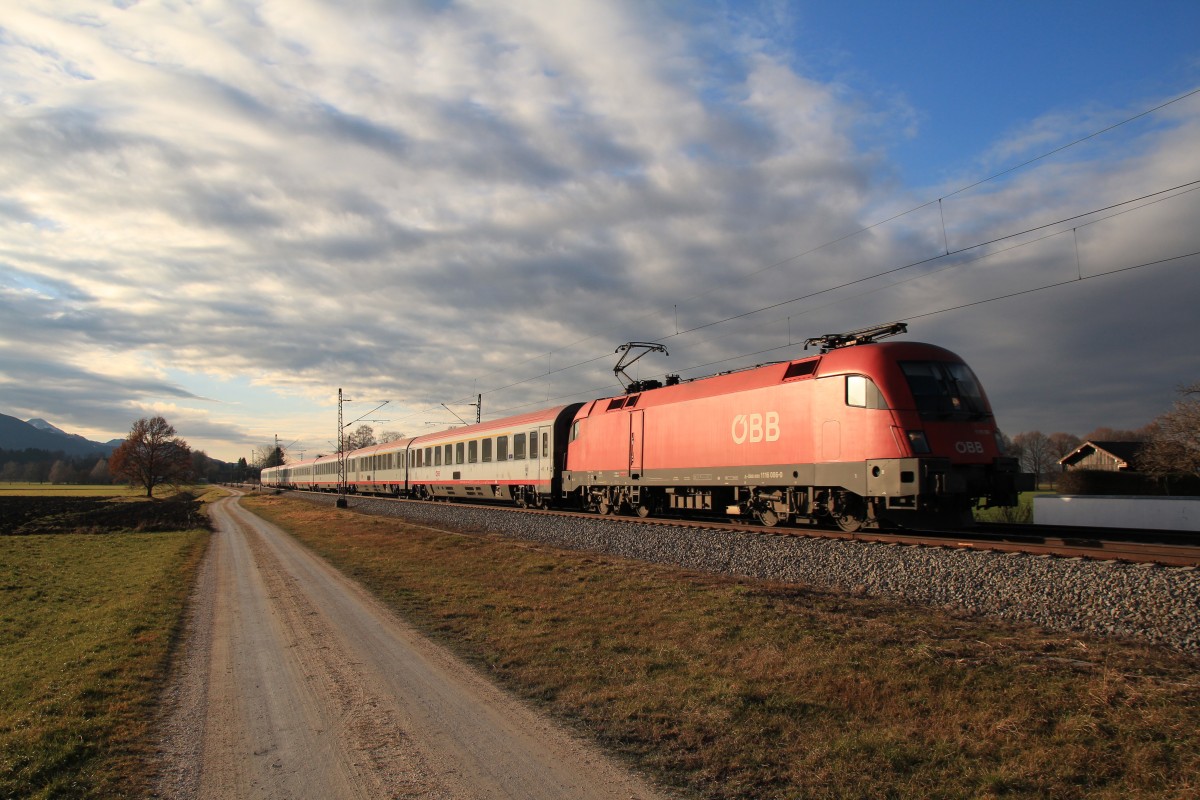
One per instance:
(863,434)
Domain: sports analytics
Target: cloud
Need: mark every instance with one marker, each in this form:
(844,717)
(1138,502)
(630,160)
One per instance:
(424,201)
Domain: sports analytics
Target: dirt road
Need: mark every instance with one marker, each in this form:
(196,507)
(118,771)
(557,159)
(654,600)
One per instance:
(297,684)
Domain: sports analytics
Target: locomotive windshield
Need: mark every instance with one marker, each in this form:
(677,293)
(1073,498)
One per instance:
(945,390)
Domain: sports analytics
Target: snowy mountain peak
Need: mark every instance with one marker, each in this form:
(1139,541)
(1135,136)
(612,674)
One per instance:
(42,425)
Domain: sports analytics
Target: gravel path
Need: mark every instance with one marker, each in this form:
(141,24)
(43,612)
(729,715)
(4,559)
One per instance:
(1156,604)
(296,683)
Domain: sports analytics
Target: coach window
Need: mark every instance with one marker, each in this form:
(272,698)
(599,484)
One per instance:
(458,453)
(533,449)
(545,445)
(472,452)
(502,448)
(519,446)
(449,454)
(437,456)
(487,449)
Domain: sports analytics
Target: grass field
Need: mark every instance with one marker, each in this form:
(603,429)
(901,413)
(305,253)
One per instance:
(77,490)
(86,628)
(740,689)
(1022,513)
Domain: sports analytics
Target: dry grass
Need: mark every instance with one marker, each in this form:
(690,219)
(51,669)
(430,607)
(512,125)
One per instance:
(729,689)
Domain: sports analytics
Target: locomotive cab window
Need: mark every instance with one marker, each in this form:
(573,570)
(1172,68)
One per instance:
(575,430)
(861,392)
(944,390)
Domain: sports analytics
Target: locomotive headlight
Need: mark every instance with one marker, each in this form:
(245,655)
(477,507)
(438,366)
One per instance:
(918,442)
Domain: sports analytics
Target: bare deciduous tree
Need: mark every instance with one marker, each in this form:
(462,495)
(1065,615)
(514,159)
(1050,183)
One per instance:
(363,436)
(152,455)
(1036,453)
(1063,444)
(100,473)
(1117,435)
(61,472)
(1174,445)
(267,455)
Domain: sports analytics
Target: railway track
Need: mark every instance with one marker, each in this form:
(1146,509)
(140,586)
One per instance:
(1166,548)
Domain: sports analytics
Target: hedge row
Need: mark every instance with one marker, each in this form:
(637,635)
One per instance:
(1094,481)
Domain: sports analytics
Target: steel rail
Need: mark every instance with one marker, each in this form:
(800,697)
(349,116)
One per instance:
(1085,543)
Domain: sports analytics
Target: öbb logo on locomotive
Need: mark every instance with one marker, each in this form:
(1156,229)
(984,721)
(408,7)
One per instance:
(969,448)
(755,428)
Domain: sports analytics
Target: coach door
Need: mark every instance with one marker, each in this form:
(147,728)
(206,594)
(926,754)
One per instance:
(637,432)
(545,463)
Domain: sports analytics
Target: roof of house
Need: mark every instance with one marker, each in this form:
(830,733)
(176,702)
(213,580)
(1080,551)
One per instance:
(1122,451)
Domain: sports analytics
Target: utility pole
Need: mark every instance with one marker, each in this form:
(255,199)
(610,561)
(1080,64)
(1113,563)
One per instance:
(341,444)
(341,461)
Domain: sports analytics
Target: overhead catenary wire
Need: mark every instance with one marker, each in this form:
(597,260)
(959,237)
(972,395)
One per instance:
(1185,187)
(913,209)
(946,254)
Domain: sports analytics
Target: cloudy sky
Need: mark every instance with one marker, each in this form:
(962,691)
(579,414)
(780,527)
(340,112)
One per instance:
(223,211)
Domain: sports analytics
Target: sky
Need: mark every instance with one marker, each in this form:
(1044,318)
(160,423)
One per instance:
(222,212)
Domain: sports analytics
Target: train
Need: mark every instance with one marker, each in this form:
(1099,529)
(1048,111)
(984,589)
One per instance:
(863,434)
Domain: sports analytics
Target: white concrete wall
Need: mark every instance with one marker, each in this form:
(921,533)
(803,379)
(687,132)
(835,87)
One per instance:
(1158,513)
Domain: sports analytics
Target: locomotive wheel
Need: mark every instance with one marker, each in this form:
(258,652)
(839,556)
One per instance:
(766,517)
(603,508)
(643,510)
(852,514)
(849,523)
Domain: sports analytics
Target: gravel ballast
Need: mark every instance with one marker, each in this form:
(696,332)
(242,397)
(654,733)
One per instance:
(1151,603)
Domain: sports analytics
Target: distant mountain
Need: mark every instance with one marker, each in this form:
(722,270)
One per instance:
(37,434)
(42,425)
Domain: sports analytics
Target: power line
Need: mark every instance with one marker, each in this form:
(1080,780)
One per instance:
(1062,221)
(892,218)
(1053,285)
(948,253)
(598,391)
